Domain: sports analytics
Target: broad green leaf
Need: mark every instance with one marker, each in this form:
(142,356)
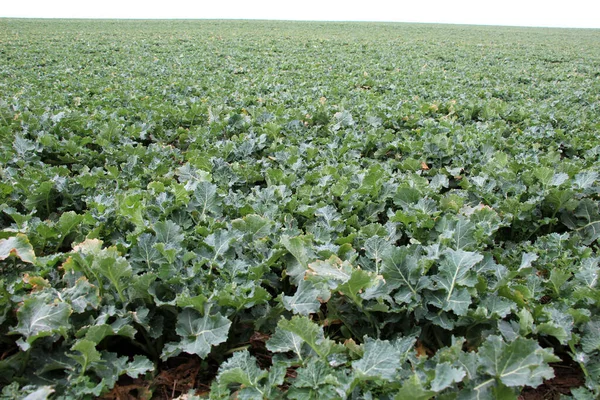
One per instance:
(87,356)
(461,232)
(527,259)
(115,269)
(67,222)
(139,366)
(359,281)
(334,271)
(191,176)
(18,246)
(375,248)
(196,302)
(313,375)
(588,272)
(206,200)
(584,180)
(297,247)
(401,270)
(22,145)
(283,341)
(309,332)
(497,305)
(120,327)
(242,296)
(559,325)
(132,207)
(455,270)
(198,334)
(342,119)
(170,255)
(219,242)
(381,360)
(585,220)
(145,252)
(241,369)
(445,376)
(590,339)
(558,278)
(82,296)
(169,233)
(253,225)
(413,389)
(43,393)
(306,299)
(39,317)
(544,175)
(558,179)
(519,363)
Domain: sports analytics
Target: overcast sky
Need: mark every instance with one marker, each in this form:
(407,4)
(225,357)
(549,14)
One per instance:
(566,13)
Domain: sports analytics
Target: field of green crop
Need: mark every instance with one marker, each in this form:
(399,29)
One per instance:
(267,210)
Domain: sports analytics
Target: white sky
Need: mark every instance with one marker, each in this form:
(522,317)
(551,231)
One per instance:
(565,13)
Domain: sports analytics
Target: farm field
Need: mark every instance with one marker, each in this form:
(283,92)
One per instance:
(303,210)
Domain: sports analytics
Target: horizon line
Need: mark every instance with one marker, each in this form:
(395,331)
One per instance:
(296,20)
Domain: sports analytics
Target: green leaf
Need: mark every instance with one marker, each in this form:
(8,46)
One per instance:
(585,220)
(242,296)
(455,270)
(413,389)
(401,269)
(18,246)
(306,299)
(42,393)
(309,332)
(219,242)
(544,175)
(333,271)
(342,119)
(253,225)
(88,354)
(526,260)
(206,200)
(461,232)
(37,319)
(375,248)
(241,369)
(297,247)
(381,360)
(283,341)
(67,222)
(169,233)
(139,366)
(445,376)
(497,305)
(559,325)
(120,327)
(590,339)
(588,272)
(520,363)
(115,269)
(144,251)
(199,334)
(196,302)
(82,296)
(313,375)
(584,180)
(359,280)
(558,278)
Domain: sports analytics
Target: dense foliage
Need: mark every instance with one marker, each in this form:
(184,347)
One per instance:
(314,210)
